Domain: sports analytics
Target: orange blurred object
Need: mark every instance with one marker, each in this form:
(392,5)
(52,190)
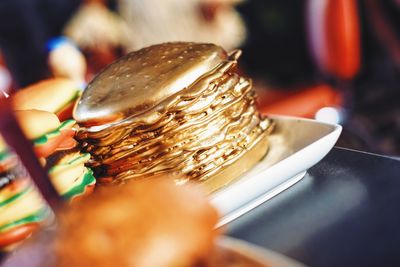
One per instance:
(301,103)
(335,36)
(343,38)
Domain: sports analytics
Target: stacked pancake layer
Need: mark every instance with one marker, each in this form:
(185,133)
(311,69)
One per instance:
(196,132)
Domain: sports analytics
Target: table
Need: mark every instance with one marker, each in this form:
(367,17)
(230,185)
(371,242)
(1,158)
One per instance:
(345,212)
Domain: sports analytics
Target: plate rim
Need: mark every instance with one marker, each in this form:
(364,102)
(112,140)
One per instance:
(328,141)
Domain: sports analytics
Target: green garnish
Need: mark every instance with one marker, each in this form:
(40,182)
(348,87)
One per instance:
(88,179)
(14,197)
(66,123)
(44,138)
(80,159)
(75,96)
(4,154)
(38,216)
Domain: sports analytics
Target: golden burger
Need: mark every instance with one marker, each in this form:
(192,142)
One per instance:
(178,108)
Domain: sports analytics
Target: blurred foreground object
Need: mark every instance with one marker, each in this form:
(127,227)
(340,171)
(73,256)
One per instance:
(143,223)
(22,209)
(65,60)
(158,21)
(16,140)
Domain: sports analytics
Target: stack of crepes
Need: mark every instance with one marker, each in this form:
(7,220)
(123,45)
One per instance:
(22,208)
(54,144)
(177,108)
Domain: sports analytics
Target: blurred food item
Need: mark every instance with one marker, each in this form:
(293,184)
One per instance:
(66,60)
(56,95)
(36,123)
(21,207)
(190,113)
(58,152)
(213,21)
(94,24)
(99,32)
(143,223)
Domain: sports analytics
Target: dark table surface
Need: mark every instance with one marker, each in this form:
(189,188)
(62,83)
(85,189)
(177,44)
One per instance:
(345,212)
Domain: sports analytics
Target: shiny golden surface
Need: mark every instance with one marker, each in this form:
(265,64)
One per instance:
(233,170)
(142,79)
(196,132)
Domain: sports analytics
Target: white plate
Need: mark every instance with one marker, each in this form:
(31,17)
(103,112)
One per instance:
(295,145)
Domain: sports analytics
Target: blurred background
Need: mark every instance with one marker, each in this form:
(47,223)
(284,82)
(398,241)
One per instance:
(332,60)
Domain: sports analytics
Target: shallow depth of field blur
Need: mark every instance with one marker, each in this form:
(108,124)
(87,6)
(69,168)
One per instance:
(332,60)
